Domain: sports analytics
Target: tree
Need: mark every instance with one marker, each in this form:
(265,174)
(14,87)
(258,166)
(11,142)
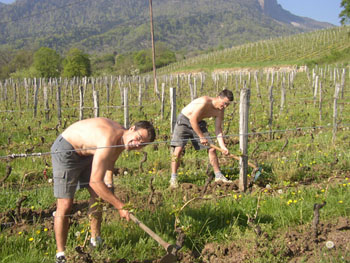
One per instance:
(47,62)
(76,64)
(345,13)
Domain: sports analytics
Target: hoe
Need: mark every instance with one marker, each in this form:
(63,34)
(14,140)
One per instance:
(171,250)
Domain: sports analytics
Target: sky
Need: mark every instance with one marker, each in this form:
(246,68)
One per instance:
(321,10)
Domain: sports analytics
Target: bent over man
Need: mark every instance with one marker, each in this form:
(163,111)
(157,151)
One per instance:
(81,157)
(190,125)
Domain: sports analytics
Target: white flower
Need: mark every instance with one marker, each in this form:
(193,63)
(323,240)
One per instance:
(329,244)
(280,191)
(50,181)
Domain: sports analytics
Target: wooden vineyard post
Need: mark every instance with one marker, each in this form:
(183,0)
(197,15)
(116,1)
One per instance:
(107,91)
(315,89)
(243,137)
(140,94)
(36,91)
(46,104)
(194,87)
(202,81)
(173,108)
(81,105)
(121,90)
(283,92)
(320,103)
(1,91)
(96,104)
(191,87)
(71,86)
(19,97)
(162,101)
(59,103)
(14,93)
(335,111)
(342,83)
(271,111)
(126,108)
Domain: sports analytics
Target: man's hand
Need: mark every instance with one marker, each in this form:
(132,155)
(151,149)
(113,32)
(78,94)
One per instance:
(225,150)
(204,141)
(124,214)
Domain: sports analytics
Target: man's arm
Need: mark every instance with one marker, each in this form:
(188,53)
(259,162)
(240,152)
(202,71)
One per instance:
(101,163)
(219,133)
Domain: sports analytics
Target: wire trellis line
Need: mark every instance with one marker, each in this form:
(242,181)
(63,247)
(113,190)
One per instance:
(25,155)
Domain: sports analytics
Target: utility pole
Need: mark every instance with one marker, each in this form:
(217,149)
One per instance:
(153,51)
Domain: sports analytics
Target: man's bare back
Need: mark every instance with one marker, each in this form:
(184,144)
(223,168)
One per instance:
(90,134)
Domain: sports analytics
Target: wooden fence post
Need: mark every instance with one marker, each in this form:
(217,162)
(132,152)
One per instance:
(14,86)
(96,104)
(1,91)
(46,104)
(140,94)
(202,81)
(243,137)
(173,109)
(190,86)
(342,83)
(271,111)
(36,91)
(162,101)
(126,108)
(315,89)
(81,105)
(335,112)
(194,87)
(283,92)
(121,90)
(320,103)
(59,103)
(19,96)
(107,91)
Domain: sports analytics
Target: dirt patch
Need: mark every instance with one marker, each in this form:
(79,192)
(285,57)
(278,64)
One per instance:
(295,245)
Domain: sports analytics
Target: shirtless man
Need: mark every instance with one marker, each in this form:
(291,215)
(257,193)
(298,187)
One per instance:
(190,125)
(81,157)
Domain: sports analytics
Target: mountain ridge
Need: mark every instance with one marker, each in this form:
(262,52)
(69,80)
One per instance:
(120,26)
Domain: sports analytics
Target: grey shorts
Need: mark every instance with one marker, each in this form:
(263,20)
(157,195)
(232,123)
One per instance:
(70,170)
(183,132)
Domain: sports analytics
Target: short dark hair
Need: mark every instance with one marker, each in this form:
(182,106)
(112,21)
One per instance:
(147,126)
(226,94)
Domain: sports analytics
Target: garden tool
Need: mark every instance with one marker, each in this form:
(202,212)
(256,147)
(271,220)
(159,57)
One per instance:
(170,257)
(256,170)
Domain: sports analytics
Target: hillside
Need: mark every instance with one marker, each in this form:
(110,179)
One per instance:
(120,26)
(313,48)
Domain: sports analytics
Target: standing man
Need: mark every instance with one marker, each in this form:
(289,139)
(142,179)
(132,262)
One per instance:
(81,157)
(190,125)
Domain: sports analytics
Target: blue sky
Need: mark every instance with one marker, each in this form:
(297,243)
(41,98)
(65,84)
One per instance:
(321,10)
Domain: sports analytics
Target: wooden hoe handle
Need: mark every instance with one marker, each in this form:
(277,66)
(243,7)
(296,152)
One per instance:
(145,228)
(232,155)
